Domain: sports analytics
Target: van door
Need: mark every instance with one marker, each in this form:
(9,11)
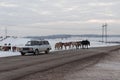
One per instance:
(46,45)
(41,46)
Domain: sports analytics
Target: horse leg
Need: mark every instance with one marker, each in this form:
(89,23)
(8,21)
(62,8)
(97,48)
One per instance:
(82,46)
(69,46)
(61,47)
(77,46)
(65,47)
(86,46)
(72,46)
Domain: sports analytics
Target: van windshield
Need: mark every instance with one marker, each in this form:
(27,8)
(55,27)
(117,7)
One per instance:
(28,43)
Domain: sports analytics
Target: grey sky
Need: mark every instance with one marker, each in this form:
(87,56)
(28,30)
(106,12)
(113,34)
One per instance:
(46,17)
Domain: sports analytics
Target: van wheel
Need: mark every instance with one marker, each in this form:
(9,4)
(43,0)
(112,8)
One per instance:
(47,51)
(36,52)
(22,53)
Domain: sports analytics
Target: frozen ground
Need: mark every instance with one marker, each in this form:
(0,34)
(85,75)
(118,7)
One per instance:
(108,68)
(23,41)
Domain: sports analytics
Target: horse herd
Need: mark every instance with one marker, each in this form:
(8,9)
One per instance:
(73,44)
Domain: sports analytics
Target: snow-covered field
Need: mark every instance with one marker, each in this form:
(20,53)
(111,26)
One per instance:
(23,41)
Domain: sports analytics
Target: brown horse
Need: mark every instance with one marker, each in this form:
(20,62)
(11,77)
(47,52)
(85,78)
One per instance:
(59,45)
(76,44)
(6,48)
(67,44)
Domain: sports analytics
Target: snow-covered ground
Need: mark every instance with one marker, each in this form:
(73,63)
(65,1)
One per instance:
(23,41)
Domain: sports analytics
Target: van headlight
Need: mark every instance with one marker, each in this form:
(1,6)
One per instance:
(19,49)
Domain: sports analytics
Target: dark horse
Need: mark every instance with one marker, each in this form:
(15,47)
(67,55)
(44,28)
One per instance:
(85,44)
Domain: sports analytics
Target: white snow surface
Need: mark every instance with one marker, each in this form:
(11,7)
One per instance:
(23,41)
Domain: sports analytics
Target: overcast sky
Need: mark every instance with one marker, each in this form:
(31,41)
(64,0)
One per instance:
(47,17)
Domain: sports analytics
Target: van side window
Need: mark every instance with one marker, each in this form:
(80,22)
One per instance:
(46,42)
(34,42)
(40,42)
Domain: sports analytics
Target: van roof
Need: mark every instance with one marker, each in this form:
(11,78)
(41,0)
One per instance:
(37,40)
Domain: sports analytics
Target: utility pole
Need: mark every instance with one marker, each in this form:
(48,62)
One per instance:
(5,32)
(104,32)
